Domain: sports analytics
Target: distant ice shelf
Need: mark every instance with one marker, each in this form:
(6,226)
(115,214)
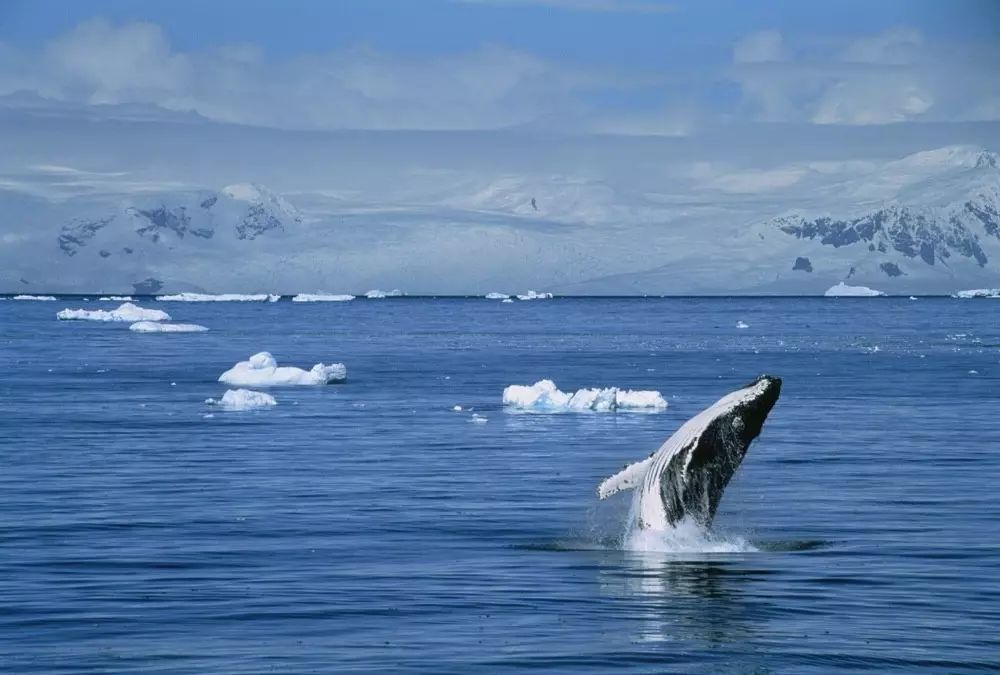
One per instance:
(163,327)
(243,399)
(497,296)
(125,312)
(979,293)
(261,370)
(219,297)
(544,396)
(376,294)
(842,290)
(322,297)
(46,298)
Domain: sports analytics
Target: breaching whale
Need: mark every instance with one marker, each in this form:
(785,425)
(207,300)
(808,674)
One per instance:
(687,475)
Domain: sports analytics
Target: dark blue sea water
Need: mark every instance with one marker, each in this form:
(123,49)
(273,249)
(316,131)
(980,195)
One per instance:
(370,528)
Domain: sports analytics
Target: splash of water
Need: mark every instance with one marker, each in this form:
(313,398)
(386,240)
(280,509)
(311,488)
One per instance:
(686,536)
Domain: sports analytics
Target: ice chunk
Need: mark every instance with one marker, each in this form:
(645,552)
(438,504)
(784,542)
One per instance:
(842,290)
(116,298)
(497,296)
(741,324)
(261,370)
(376,294)
(125,312)
(321,297)
(220,297)
(243,399)
(544,396)
(507,300)
(158,327)
(47,298)
(532,295)
(979,293)
(478,419)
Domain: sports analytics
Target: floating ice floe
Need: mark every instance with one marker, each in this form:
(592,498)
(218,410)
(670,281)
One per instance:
(46,298)
(125,312)
(497,296)
(376,294)
(243,399)
(218,297)
(532,295)
(321,297)
(261,370)
(478,419)
(979,293)
(741,324)
(507,300)
(161,327)
(115,298)
(842,290)
(913,297)
(543,396)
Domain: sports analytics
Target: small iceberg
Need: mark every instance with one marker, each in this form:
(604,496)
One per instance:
(159,327)
(115,298)
(742,324)
(46,298)
(497,296)
(510,300)
(532,295)
(261,370)
(125,312)
(842,290)
(243,399)
(321,297)
(376,294)
(544,396)
(979,293)
(220,297)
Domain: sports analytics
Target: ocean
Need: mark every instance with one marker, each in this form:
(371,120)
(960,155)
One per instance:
(369,527)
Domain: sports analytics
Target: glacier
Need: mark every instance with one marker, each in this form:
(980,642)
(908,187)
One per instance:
(261,370)
(544,396)
(124,312)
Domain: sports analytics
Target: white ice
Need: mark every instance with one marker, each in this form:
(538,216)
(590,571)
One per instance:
(160,327)
(532,295)
(218,297)
(47,298)
(321,297)
(497,296)
(376,294)
(842,290)
(741,324)
(544,396)
(243,399)
(261,370)
(979,293)
(125,312)
(116,298)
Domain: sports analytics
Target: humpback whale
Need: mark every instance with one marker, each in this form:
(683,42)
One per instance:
(687,475)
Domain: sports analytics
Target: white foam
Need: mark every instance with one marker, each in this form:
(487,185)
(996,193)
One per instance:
(478,419)
(243,399)
(842,290)
(125,312)
(685,537)
(321,297)
(544,396)
(532,295)
(218,297)
(46,298)
(497,296)
(979,293)
(261,370)
(115,298)
(160,327)
(376,294)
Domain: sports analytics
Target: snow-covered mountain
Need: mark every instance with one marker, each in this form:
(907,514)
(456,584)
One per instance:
(926,222)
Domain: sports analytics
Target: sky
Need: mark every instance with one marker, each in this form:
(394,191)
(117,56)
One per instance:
(579,138)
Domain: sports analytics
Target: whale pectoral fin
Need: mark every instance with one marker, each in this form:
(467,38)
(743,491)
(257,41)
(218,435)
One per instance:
(626,479)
